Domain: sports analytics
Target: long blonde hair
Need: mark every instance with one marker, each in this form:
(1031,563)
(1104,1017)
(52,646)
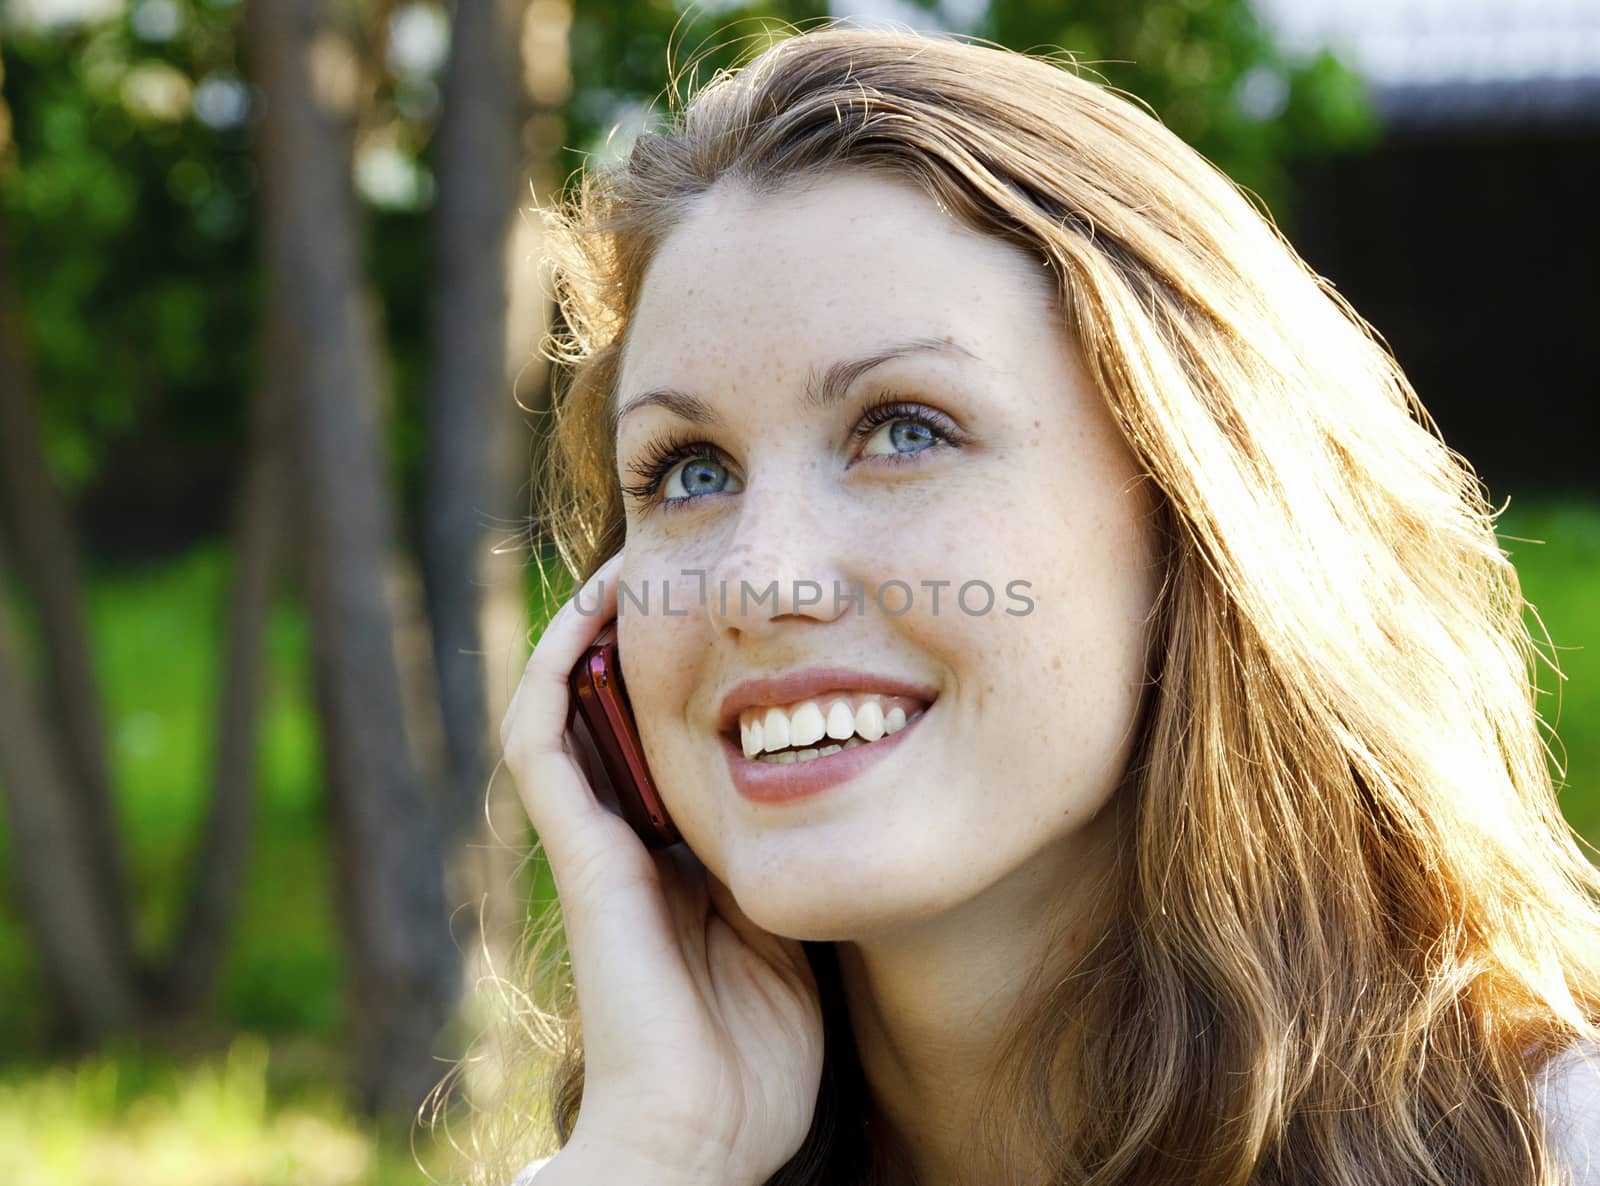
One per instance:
(1352,922)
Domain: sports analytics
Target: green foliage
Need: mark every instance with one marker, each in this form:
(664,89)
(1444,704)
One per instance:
(1210,72)
(619,49)
(132,201)
(132,223)
(1207,68)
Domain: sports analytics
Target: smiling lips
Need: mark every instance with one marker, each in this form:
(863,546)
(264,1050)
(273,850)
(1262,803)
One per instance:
(821,725)
(790,736)
(795,773)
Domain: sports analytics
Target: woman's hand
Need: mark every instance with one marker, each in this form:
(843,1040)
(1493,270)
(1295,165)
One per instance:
(702,1032)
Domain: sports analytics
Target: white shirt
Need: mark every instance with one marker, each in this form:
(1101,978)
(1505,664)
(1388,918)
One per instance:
(1569,1092)
(525,1177)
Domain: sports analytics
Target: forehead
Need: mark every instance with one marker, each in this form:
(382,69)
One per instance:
(782,281)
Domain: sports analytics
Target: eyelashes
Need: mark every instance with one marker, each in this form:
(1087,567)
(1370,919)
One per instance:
(669,448)
(659,455)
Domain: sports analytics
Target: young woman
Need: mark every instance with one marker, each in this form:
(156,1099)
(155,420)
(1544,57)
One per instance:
(1215,846)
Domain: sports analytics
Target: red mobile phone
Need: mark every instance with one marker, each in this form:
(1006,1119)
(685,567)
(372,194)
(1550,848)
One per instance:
(606,741)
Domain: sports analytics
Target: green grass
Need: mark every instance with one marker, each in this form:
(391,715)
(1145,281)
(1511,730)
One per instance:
(156,639)
(282,973)
(1561,578)
(137,1114)
(141,1119)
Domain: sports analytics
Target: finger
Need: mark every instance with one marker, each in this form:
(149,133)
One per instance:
(594,602)
(528,726)
(551,784)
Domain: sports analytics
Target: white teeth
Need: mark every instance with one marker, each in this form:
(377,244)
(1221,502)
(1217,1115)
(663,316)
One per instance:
(752,737)
(775,730)
(778,737)
(869,720)
(841,721)
(806,726)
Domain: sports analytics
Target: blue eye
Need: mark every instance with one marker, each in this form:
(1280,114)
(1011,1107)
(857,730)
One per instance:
(696,476)
(675,472)
(905,435)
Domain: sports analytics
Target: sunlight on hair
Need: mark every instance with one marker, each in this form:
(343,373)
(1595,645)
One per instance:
(1354,921)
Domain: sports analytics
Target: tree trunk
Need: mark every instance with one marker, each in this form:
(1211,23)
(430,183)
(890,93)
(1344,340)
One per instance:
(478,169)
(51,863)
(498,146)
(38,525)
(402,967)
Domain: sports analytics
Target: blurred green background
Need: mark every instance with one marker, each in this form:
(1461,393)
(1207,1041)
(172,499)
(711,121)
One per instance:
(133,202)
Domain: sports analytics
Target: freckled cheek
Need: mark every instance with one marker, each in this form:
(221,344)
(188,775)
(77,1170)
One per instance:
(970,542)
(659,686)
(660,578)
(1051,708)
(684,562)
(913,534)
(1071,688)
(660,659)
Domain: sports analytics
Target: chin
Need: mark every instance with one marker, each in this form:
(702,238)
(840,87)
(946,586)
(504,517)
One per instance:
(838,908)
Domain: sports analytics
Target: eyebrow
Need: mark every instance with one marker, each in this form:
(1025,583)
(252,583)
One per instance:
(822,392)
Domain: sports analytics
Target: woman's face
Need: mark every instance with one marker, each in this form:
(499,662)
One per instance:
(990,458)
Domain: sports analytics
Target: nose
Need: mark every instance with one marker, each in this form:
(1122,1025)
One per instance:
(779,565)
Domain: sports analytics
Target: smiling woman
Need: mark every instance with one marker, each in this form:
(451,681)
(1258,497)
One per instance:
(1227,853)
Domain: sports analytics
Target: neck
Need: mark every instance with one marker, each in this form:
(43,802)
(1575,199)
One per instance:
(932,1001)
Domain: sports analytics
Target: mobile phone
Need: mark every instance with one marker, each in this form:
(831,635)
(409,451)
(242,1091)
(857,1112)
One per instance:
(605,740)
